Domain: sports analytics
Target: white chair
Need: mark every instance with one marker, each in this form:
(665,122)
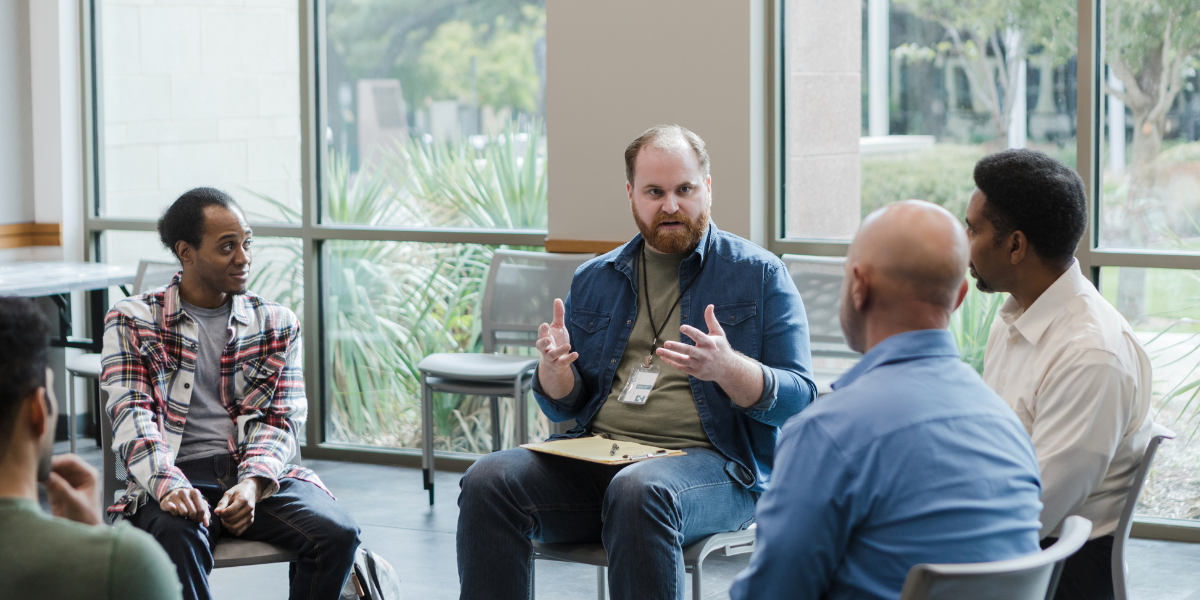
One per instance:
(229,551)
(150,274)
(517,298)
(819,279)
(1032,577)
(729,544)
(1120,570)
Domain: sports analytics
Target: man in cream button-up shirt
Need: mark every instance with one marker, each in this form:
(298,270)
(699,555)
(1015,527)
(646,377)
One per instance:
(1059,354)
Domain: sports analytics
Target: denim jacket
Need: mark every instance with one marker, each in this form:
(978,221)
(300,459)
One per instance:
(760,310)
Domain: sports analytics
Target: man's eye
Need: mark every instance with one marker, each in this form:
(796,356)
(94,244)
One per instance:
(685,189)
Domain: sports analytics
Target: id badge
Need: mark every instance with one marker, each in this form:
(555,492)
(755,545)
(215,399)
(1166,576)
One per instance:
(637,389)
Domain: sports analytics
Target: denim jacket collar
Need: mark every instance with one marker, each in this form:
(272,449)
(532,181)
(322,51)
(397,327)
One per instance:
(625,260)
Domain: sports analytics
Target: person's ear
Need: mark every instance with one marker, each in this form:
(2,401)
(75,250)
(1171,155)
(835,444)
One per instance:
(860,287)
(629,190)
(40,413)
(183,250)
(1018,246)
(963,288)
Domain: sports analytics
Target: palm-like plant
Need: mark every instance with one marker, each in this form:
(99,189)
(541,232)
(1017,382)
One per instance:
(971,323)
(389,304)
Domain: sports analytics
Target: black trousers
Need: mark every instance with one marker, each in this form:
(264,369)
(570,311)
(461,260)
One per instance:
(1087,574)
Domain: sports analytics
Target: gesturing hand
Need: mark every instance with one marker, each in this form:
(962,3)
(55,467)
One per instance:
(71,487)
(188,503)
(712,356)
(236,508)
(554,345)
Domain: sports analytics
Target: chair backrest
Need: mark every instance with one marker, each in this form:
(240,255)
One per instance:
(520,292)
(1025,578)
(819,279)
(1120,570)
(153,274)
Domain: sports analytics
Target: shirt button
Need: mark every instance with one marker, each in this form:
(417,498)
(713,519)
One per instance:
(628,322)
(614,361)
(684,317)
(187,386)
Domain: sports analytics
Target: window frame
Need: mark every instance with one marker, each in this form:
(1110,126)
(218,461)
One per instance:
(311,231)
(1089,129)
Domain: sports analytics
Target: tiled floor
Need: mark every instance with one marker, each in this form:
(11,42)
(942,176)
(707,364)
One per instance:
(418,540)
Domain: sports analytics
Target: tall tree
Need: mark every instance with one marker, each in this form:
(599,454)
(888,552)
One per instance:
(1148,45)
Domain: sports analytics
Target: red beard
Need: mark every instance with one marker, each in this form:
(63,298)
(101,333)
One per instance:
(677,241)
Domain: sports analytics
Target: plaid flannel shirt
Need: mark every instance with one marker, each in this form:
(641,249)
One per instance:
(149,363)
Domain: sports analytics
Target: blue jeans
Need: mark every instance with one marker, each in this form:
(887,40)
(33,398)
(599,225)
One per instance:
(299,517)
(644,513)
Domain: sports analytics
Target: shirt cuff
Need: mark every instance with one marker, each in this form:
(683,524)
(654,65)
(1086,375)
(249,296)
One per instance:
(566,401)
(770,391)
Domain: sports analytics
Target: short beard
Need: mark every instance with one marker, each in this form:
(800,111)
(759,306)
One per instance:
(980,284)
(674,242)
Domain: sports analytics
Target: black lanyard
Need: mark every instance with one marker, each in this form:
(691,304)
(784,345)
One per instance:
(650,312)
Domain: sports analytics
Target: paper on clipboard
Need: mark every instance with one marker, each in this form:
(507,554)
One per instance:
(599,450)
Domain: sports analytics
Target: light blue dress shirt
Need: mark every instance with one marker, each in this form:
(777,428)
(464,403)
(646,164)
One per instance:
(912,459)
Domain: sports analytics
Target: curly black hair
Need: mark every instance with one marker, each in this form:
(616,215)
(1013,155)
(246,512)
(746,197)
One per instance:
(184,219)
(1030,192)
(23,340)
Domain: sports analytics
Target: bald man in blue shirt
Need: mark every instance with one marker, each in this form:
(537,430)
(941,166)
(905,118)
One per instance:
(912,459)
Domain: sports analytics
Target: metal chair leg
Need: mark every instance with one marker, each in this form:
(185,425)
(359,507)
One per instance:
(601,583)
(696,593)
(71,409)
(427,436)
(521,416)
(495,409)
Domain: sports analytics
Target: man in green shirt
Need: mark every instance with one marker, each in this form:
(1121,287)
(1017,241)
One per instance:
(71,554)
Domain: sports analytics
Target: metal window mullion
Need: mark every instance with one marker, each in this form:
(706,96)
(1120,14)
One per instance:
(1088,112)
(310,170)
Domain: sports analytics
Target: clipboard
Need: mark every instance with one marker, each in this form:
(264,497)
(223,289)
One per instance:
(599,450)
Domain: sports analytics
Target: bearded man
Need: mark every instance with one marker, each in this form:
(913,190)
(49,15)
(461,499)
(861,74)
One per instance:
(640,313)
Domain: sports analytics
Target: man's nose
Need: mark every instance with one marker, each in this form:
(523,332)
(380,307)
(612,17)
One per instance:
(671,204)
(242,257)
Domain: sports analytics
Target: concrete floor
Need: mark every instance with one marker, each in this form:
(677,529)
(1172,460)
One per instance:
(418,540)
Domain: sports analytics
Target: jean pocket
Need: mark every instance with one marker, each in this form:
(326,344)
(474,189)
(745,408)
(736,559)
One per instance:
(739,473)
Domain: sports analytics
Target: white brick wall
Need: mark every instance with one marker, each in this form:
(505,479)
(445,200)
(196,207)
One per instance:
(200,93)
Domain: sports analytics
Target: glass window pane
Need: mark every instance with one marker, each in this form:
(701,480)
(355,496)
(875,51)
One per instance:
(1163,305)
(437,115)
(1151,127)
(886,101)
(387,306)
(201,93)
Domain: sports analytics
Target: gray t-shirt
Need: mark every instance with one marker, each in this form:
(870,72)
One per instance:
(208,424)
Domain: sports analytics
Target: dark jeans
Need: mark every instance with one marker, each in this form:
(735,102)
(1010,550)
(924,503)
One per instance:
(299,517)
(644,513)
(1087,574)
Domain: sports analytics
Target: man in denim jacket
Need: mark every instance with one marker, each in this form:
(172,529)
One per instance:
(714,328)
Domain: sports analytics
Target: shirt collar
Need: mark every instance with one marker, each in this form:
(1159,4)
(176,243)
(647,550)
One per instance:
(1033,322)
(910,345)
(173,307)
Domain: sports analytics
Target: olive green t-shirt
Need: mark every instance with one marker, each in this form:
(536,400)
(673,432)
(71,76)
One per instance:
(49,558)
(669,418)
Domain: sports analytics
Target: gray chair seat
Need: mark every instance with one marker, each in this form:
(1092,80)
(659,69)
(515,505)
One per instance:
(85,365)
(235,552)
(474,387)
(476,366)
(730,544)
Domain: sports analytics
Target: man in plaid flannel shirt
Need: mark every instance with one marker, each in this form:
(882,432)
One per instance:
(206,396)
